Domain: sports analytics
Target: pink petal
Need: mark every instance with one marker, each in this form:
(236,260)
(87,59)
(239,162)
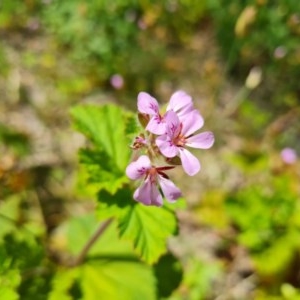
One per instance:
(172,123)
(185,110)
(147,104)
(156,198)
(138,168)
(166,147)
(180,101)
(169,189)
(191,122)
(143,192)
(156,125)
(202,140)
(190,163)
(148,194)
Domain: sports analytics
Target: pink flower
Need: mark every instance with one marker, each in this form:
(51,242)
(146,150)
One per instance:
(289,155)
(149,105)
(117,81)
(180,102)
(148,192)
(179,134)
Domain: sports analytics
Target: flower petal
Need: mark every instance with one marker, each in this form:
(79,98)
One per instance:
(156,198)
(147,104)
(138,168)
(156,125)
(143,192)
(191,122)
(173,126)
(169,189)
(190,163)
(185,110)
(148,194)
(180,101)
(202,140)
(166,147)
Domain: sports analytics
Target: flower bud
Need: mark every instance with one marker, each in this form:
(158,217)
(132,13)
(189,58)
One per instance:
(254,78)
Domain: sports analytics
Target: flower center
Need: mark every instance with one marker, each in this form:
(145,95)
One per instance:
(179,140)
(152,172)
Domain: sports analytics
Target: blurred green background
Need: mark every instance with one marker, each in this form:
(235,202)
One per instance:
(240,61)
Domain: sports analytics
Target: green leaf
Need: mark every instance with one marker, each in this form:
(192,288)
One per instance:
(116,279)
(132,125)
(109,128)
(9,281)
(111,269)
(17,141)
(62,283)
(169,273)
(8,293)
(105,126)
(26,256)
(77,230)
(147,227)
(9,209)
(267,262)
(100,172)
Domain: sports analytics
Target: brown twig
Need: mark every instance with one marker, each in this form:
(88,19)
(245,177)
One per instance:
(81,256)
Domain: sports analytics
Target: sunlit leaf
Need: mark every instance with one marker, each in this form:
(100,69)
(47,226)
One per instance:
(147,227)
(9,209)
(111,269)
(109,129)
(116,279)
(100,172)
(74,234)
(9,281)
(267,262)
(62,284)
(8,293)
(105,126)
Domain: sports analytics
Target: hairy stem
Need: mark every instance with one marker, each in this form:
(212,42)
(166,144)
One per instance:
(81,256)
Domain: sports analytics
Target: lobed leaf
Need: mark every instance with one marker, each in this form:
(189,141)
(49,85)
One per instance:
(100,172)
(147,227)
(109,129)
(111,270)
(105,127)
(116,279)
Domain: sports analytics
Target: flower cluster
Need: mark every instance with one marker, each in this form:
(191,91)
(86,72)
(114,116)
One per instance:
(164,146)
